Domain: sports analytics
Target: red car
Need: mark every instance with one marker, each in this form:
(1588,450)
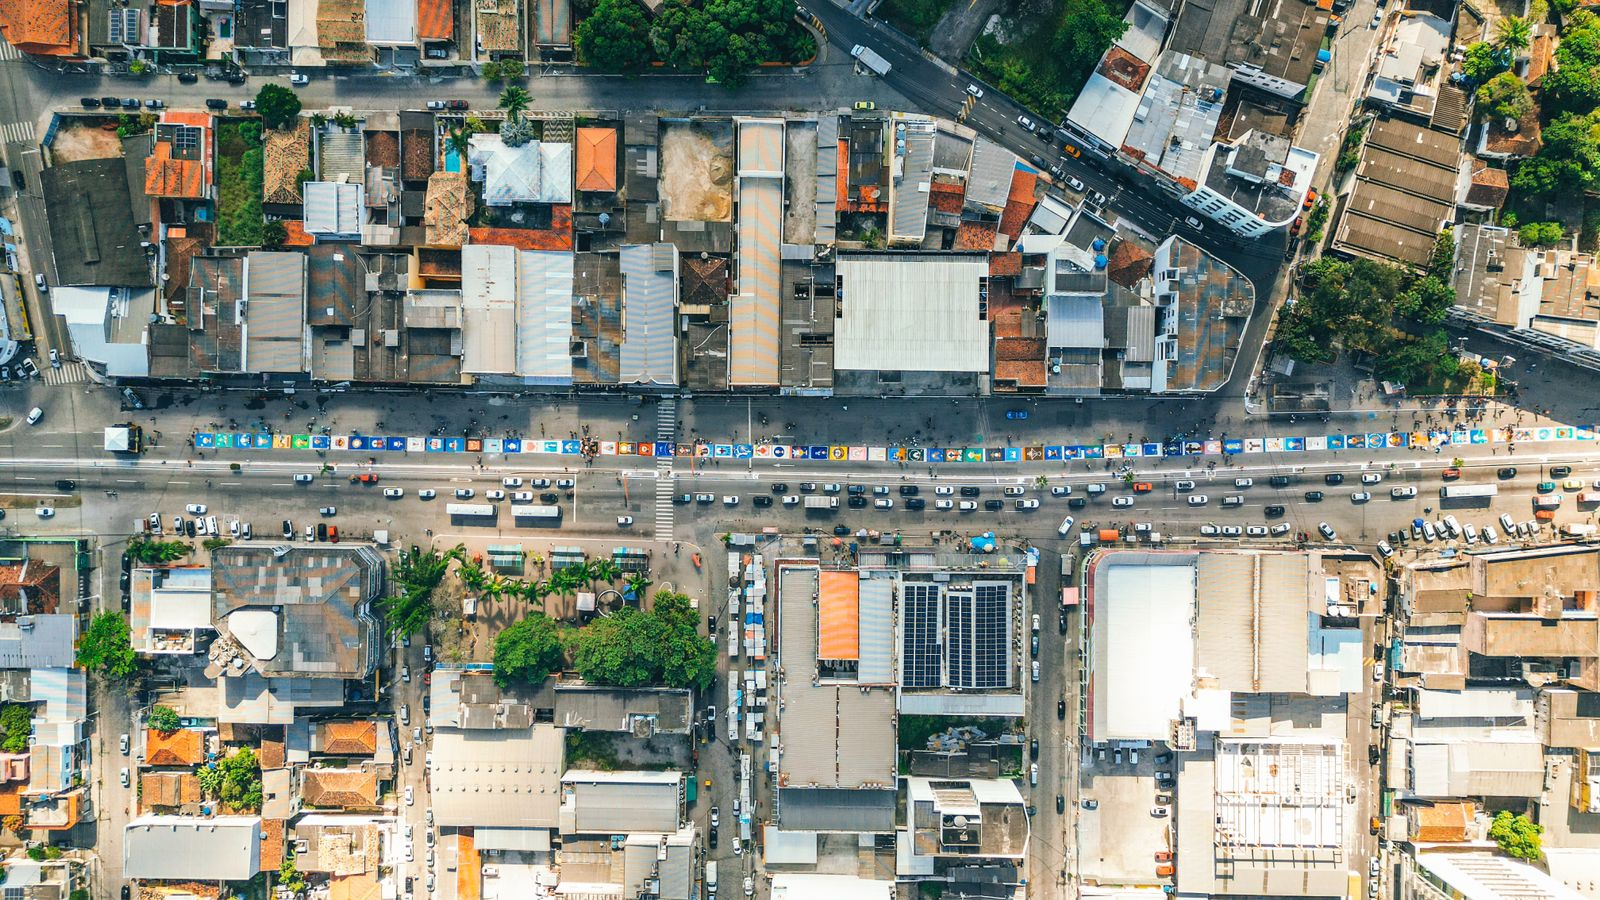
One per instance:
(366,478)
(1451,474)
(1311,199)
(458,104)
(1294,229)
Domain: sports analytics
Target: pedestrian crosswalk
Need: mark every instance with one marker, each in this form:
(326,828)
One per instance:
(69,373)
(666,430)
(9,52)
(17,132)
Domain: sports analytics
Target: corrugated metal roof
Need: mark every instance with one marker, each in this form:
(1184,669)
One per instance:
(876,630)
(510,778)
(1074,321)
(908,209)
(753,327)
(911,313)
(275,316)
(35,642)
(332,208)
(391,21)
(605,807)
(989,184)
(838,607)
(544,316)
(827,179)
(649,296)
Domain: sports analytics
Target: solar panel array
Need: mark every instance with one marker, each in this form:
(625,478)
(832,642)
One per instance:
(921,654)
(958,606)
(992,635)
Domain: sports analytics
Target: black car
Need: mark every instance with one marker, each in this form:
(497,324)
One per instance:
(188,527)
(1313,496)
(762,500)
(908,490)
(322,531)
(1279,481)
(1077,502)
(1061,804)
(1333,478)
(1061,709)
(683,499)
(841,530)
(994,504)
(1508,472)
(408,884)
(711,624)
(1274,511)
(1560,471)
(214,103)
(187,78)
(807,487)
(1063,618)
(779,487)
(66,484)
(126,892)
(110,102)
(1035,648)
(550,497)
(916,503)
(856,501)
(89,102)
(127,563)
(713,838)
(1033,749)
(969,491)
(1372,754)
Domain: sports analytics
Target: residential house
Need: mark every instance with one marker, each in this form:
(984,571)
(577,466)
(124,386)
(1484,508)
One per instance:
(41,27)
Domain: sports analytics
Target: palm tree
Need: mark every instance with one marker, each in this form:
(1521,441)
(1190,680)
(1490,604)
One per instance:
(637,584)
(460,142)
(514,100)
(1513,34)
(604,569)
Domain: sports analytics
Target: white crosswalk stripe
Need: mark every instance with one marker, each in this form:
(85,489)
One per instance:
(69,373)
(9,52)
(666,430)
(17,132)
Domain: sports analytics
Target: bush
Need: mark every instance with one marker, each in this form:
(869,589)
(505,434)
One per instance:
(1540,234)
(633,648)
(1517,835)
(16,725)
(164,719)
(528,651)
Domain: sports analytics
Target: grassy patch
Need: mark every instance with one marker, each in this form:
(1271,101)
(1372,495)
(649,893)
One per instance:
(1048,51)
(239,178)
(915,730)
(1007,67)
(914,17)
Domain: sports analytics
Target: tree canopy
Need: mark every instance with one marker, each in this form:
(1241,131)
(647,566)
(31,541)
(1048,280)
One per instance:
(528,651)
(277,105)
(1481,61)
(106,646)
(1084,32)
(615,37)
(632,648)
(1504,97)
(1569,161)
(163,719)
(16,724)
(1574,81)
(1517,835)
(417,574)
(235,780)
(1540,234)
(1513,34)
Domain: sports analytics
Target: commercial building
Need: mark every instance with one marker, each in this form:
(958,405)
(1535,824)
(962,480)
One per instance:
(185,848)
(911,323)
(498,777)
(1404,193)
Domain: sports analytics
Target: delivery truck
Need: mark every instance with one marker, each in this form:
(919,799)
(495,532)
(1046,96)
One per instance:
(870,58)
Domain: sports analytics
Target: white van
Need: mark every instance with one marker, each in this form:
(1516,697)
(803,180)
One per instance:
(711,876)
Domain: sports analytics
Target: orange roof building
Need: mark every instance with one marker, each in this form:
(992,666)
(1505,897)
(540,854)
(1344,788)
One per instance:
(178,165)
(597,159)
(41,27)
(839,616)
(184,747)
(435,21)
(348,738)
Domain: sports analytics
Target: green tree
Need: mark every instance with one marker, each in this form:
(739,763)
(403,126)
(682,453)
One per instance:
(273,233)
(1512,35)
(1574,82)
(1427,300)
(517,131)
(1504,97)
(1517,835)
(163,719)
(138,67)
(1086,29)
(16,725)
(527,651)
(1481,62)
(144,550)
(417,574)
(632,648)
(106,646)
(615,37)
(1442,261)
(1569,161)
(637,584)
(514,100)
(512,69)
(277,105)
(1540,234)
(239,781)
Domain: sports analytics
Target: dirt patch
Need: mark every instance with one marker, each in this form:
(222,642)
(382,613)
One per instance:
(800,183)
(47,496)
(74,144)
(697,171)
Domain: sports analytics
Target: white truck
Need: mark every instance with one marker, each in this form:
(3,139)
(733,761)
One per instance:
(814,501)
(711,876)
(870,58)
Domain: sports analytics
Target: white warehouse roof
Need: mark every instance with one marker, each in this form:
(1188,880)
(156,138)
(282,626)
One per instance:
(908,312)
(1143,649)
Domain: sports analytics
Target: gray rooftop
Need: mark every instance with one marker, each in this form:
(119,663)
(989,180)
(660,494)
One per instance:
(832,809)
(186,848)
(38,642)
(1178,114)
(92,230)
(321,597)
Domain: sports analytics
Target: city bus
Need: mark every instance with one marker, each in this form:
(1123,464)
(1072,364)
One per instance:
(536,515)
(1465,491)
(470,510)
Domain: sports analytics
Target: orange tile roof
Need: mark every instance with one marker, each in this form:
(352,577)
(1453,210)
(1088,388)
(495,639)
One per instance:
(1005,264)
(434,20)
(1022,373)
(339,788)
(295,234)
(1444,821)
(838,616)
(468,866)
(946,198)
(557,237)
(272,843)
(11,799)
(597,159)
(975,236)
(168,177)
(184,747)
(40,27)
(354,887)
(1128,263)
(349,738)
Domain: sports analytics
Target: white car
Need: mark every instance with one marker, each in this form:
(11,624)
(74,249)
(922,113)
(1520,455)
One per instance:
(967,506)
(195,509)
(1015,491)
(411,797)
(494,494)
(1508,523)
(302,478)
(1243,482)
(1327,531)
(1183,486)
(1232,531)
(125,777)
(975,91)
(944,490)
(511,482)
(427,494)
(1028,504)
(299,80)
(944,504)
(1371,478)
(541,483)
(1428,532)
(1470,532)
(1209,530)
(122,743)
(1256,531)
(233,528)
(393,492)
(329,510)
(1066,526)
(44,512)
(1384,550)
(1360,497)
(34,415)
(624,521)
(567,484)
(791,500)
(1454,526)
(464,493)
(522,496)
(1061,490)
(1122,502)
(1280,529)
(1198,499)
(1490,533)
(883,503)
(730,500)
(1402,493)
(311,533)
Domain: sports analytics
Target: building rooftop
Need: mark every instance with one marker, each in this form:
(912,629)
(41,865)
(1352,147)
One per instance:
(40,27)
(502,777)
(306,613)
(39,642)
(92,229)
(620,802)
(275,314)
(1405,192)
(1178,114)
(357,737)
(184,848)
(183,747)
(911,312)
(339,788)
(597,159)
